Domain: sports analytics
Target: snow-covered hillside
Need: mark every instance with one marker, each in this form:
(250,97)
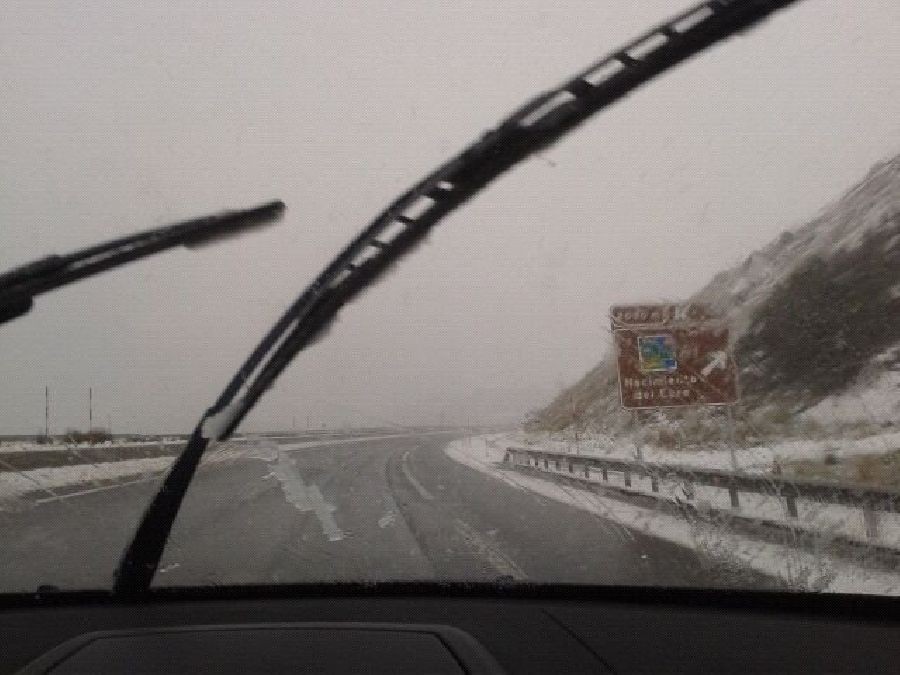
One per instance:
(867,208)
(814,317)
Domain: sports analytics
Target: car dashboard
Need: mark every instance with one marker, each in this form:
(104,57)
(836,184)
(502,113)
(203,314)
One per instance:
(448,628)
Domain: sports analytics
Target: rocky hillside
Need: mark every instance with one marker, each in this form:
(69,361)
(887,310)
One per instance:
(814,316)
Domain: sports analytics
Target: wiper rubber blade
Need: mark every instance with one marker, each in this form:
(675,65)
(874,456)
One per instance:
(19,286)
(405,223)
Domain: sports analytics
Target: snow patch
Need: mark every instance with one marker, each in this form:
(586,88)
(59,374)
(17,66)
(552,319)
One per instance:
(876,401)
(15,484)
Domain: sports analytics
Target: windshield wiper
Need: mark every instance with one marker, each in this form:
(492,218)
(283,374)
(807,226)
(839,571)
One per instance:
(406,222)
(19,286)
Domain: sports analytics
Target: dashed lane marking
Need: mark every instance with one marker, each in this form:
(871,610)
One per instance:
(423,493)
(498,560)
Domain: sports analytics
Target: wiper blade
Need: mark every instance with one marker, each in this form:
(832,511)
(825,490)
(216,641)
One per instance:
(406,222)
(19,286)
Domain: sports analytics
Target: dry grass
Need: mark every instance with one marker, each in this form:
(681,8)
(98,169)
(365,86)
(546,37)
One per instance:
(876,470)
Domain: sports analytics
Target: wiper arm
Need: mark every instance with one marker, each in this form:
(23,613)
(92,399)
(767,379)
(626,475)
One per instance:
(19,286)
(406,222)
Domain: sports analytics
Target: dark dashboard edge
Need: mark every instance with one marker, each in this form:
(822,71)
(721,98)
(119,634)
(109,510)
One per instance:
(840,606)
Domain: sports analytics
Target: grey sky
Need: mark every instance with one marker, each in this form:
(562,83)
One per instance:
(119,116)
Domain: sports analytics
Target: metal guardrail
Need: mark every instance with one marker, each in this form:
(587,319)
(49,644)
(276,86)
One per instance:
(869,500)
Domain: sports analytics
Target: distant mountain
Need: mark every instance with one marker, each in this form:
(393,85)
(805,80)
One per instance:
(814,317)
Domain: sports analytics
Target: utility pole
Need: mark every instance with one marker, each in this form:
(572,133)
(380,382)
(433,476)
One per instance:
(46,412)
(90,409)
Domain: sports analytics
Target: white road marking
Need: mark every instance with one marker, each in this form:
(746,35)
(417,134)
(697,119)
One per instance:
(306,497)
(496,558)
(55,498)
(388,518)
(357,439)
(423,493)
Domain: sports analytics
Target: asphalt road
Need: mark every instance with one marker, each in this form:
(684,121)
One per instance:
(357,510)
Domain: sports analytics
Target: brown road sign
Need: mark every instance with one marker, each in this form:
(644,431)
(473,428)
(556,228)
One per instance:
(675,362)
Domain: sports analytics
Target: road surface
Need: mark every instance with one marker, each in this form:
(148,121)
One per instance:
(361,509)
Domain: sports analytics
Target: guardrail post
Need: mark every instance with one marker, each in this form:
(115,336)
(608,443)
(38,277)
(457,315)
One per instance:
(735,502)
(870,518)
(654,482)
(791,506)
(571,468)
(587,471)
(603,472)
(627,476)
(546,464)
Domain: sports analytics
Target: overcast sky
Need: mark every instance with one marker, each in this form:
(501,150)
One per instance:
(120,116)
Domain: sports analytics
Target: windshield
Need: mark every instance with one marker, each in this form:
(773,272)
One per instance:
(663,351)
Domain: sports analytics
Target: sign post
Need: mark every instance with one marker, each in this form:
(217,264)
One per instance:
(638,443)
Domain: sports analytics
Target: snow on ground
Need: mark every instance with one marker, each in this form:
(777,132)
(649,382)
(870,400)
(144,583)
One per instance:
(27,446)
(875,401)
(799,568)
(757,459)
(14,484)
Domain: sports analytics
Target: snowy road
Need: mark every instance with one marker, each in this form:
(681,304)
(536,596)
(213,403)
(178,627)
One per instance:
(392,508)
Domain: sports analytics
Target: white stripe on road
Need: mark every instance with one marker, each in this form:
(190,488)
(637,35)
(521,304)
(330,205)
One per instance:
(498,560)
(306,497)
(92,490)
(423,493)
(357,439)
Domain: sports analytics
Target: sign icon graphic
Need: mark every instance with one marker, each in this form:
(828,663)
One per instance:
(657,353)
